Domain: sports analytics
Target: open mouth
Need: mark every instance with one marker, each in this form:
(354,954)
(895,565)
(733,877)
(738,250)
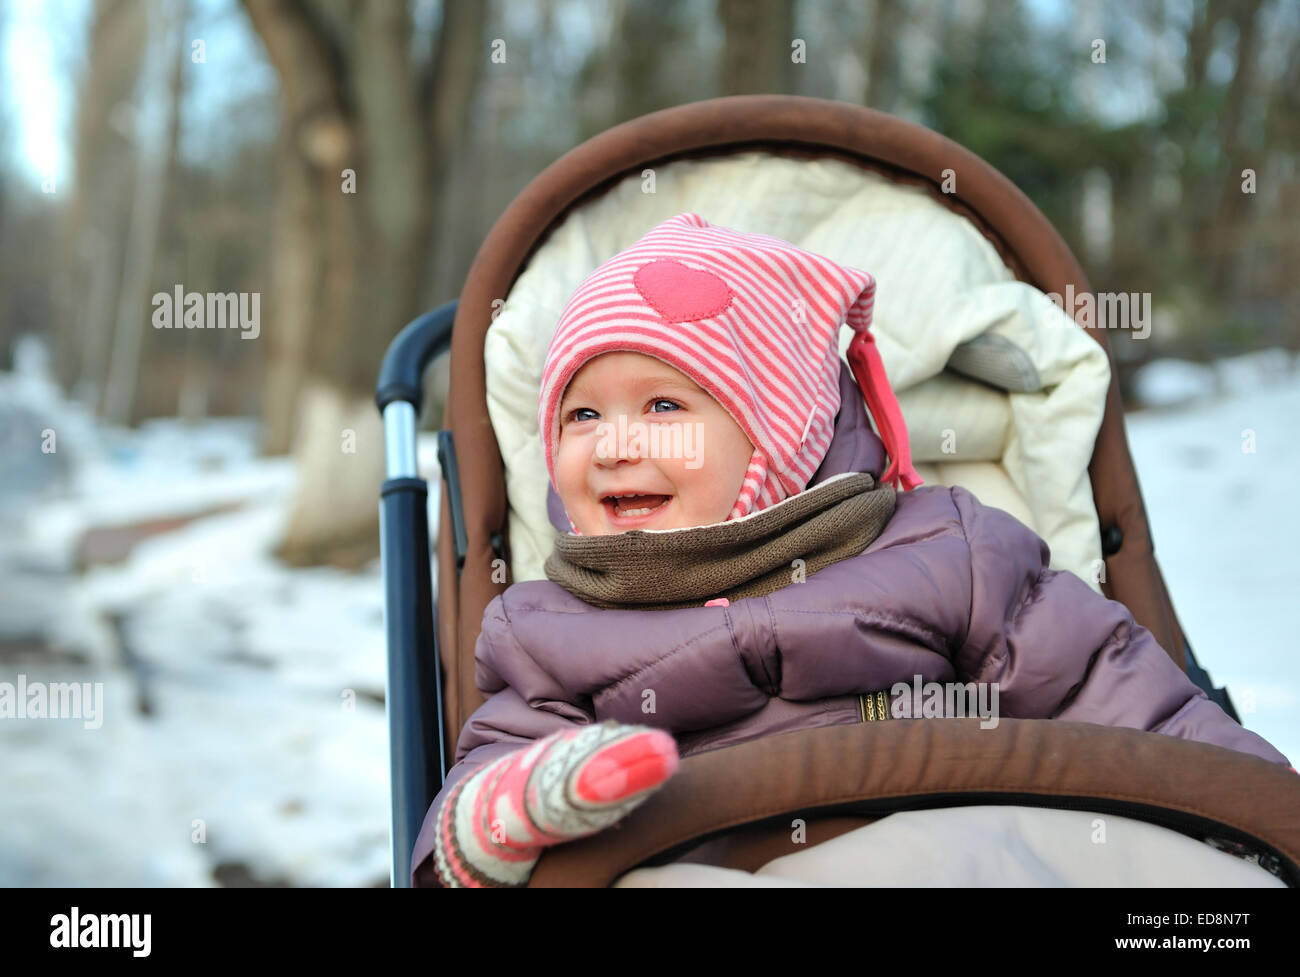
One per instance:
(624,507)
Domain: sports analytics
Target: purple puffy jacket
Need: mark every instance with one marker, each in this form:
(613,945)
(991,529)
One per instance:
(951,590)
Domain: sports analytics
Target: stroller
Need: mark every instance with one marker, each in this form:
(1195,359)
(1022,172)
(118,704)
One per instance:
(982,344)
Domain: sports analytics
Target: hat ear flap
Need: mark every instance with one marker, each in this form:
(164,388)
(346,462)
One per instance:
(751,489)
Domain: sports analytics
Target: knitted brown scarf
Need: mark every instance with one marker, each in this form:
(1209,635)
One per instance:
(749,557)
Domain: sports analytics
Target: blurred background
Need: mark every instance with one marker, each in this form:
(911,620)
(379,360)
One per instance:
(190,517)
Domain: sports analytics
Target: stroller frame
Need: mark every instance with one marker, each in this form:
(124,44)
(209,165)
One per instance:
(419,732)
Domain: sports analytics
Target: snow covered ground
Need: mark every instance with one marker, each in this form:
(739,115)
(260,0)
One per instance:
(1219,468)
(243,736)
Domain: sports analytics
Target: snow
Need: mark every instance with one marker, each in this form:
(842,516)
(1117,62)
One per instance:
(264,748)
(1168,383)
(1219,478)
(1173,383)
(243,721)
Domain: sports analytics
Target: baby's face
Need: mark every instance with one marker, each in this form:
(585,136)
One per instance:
(631,423)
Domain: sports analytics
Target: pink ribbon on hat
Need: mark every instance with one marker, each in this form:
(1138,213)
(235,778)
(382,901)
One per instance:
(869,371)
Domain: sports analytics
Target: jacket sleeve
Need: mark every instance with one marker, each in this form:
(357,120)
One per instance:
(1059,650)
(501,725)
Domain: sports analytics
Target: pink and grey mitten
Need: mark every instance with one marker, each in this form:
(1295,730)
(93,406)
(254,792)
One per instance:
(493,825)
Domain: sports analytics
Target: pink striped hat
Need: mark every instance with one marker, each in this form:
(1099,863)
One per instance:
(754,321)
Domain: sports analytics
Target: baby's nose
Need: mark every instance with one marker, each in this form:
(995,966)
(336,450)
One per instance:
(615,442)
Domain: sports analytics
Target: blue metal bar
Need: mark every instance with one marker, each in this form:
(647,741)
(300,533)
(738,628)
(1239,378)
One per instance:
(413,678)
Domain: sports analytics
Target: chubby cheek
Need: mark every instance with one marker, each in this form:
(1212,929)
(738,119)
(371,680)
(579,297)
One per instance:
(703,496)
(729,477)
(564,468)
(715,501)
(571,463)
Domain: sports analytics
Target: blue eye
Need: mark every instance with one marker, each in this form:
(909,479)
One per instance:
(666,401)
(578,410)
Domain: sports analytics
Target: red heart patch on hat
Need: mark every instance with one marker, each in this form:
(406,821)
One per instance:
(681,294)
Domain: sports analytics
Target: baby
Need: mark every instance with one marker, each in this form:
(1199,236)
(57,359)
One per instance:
(710,448)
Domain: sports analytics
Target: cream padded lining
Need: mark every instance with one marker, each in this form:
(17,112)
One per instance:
(985,846)
(939,284)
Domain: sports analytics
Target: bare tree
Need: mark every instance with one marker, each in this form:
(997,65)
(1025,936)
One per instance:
(757,54)
(1230,217)
(883,28)
(155,166)
(365,139)
(97,215)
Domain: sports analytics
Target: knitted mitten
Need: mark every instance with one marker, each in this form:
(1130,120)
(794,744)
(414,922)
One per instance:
(493,825)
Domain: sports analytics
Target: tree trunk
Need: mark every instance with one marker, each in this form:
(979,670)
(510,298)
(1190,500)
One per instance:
(353,245)
(295,282)
(166,31)
(1232,215)
(98,211)
(1205,15)
(339,456)
(757,51)
(882,55)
